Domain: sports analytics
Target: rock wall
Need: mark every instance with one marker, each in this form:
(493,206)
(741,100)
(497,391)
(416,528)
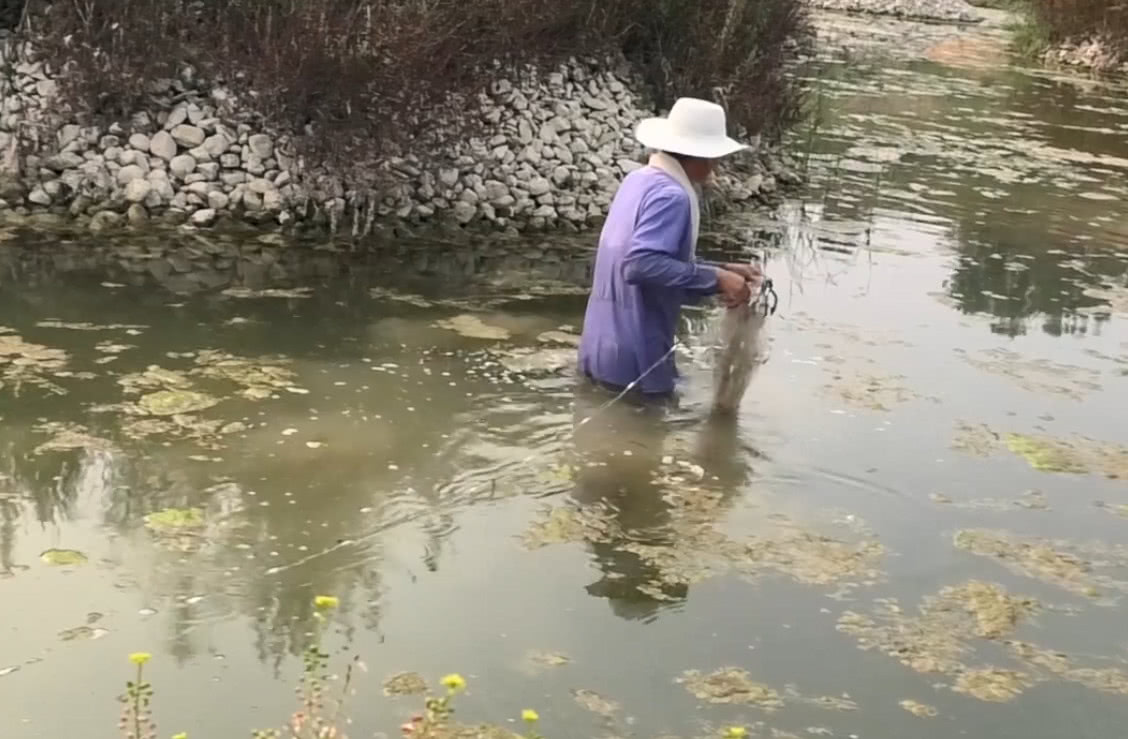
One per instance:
(557,145)
(948,11)
(1095,54)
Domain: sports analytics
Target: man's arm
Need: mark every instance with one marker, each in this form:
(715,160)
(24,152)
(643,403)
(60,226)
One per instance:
(652,258)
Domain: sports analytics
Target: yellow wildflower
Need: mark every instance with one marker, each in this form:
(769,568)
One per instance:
(530,716)
(736,732)
(181,735)
(140,658)
(453,682)
(326,601)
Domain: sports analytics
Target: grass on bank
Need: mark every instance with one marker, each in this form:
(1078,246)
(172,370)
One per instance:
(357,80)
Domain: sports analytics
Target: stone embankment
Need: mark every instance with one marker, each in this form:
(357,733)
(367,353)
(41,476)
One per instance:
(1091,54)
(946,11)
(552,152)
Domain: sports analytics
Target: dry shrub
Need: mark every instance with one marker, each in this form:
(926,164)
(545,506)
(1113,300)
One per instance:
(357,80)
(1075,20)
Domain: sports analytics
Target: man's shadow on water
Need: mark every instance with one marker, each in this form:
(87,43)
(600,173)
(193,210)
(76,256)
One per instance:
(619,453)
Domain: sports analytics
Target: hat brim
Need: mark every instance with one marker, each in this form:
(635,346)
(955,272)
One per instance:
(655,133)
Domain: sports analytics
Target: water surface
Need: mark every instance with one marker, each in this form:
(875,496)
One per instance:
(954,273)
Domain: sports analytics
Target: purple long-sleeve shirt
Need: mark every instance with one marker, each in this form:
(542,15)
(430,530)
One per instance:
(645,271)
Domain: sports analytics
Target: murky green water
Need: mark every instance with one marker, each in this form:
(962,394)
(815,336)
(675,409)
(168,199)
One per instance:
(952,277)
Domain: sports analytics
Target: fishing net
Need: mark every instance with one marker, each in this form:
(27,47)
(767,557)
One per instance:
(740,348)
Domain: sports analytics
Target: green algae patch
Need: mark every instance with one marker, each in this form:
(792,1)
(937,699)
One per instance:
(538,660)
(258,378)
(1044,560)
(1032,500)
(1047,455)
(731,685)
(918,709)
(996,612)
(976,439)
(559,337)
(473,327)
(83,633)
(1077,455)
(1110,680)
(23,363)
(63,557)
(154,377)
(595,703)
(922,643)
(176,402)
(527,360)
(405,683)
(992,684)
(246,293)
(814,559)
(175,520)
(566,524)
(1037,375)
(1120,510)
(68,437)
(938,638)
(874,392)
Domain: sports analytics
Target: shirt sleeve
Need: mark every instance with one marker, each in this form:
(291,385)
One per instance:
(652,258)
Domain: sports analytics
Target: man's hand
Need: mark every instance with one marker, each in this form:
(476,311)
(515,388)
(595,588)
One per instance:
(750,272)
(732,287)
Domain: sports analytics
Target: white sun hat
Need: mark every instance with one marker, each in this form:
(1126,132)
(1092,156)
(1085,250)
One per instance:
(694,128)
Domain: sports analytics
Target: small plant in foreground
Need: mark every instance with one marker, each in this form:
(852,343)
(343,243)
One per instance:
(437,710)
(312,720)
(531,717)
(136,721)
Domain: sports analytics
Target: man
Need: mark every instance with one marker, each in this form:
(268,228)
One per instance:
(646,266)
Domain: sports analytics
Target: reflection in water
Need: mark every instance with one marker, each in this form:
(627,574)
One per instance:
(619,451)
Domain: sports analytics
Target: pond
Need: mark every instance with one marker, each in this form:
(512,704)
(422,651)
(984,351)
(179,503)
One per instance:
(917,527)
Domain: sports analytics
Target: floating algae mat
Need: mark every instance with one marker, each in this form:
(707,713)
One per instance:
(405,683)
(1078,455)
(23,363)
(697,550)
(1104,679)
(1049,561)
(736,686)
(731,685)
(1037,375)
(259,377)
(175,520)
(473,327)
(67,437)
(992,684)
(63,557)
(178,529)
(572,524)
(937,640)
(1031,501)
(917,708)
(596,703)
(175,402)
(869,391)
(539,660)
